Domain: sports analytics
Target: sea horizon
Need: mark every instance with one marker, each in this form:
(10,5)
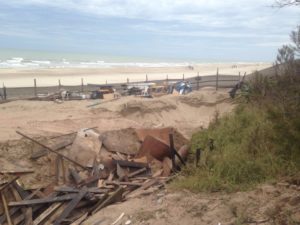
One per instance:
(35,59)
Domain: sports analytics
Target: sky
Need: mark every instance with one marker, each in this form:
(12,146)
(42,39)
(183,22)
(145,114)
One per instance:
(186,30)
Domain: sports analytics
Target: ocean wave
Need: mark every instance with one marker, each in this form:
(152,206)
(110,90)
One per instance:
(18,62)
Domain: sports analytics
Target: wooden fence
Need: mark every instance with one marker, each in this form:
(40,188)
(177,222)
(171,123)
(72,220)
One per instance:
(197,82)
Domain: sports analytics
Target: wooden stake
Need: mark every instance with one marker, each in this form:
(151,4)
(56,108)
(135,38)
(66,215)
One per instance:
(6,209)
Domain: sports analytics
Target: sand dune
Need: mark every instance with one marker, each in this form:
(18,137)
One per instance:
(186,113)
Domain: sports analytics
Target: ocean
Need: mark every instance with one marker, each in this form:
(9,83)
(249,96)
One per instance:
(42,59)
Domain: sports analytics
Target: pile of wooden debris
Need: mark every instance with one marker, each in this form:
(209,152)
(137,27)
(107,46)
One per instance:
(95,170)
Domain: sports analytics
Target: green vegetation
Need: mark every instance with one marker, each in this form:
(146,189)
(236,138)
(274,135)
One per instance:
(259,141)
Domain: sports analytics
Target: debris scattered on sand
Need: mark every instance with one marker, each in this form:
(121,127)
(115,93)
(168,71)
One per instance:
(91,172)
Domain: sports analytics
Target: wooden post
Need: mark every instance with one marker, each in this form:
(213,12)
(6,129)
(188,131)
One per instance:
(198,80)
(81,84)
(172,151)
(239,76)
(35,90)
(167,79)
(183,77)
(4,92)
(59,84)
(198,155)
(127,80)
(146,77)
(217,79)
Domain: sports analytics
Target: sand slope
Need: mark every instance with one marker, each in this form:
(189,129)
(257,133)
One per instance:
(186,113)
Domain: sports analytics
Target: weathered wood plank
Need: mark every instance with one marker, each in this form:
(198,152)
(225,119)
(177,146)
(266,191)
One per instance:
(131,164)
(6,211)
(46,213)
(43,201)
(71,206)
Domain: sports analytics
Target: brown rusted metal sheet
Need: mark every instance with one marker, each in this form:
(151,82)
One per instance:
(154,148)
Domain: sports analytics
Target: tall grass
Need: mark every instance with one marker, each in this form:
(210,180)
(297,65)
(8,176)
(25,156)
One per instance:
(259,141)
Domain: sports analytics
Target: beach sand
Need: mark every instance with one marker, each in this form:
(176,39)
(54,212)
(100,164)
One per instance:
(23,77)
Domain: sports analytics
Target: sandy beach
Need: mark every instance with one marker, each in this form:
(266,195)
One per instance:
(23,77)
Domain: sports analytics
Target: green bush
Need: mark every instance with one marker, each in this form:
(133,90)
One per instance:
(259,141)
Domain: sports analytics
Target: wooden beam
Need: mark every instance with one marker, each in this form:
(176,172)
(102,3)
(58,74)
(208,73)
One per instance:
(127,163)
(114,197)
(93,190)
(46,213)
(15,209)
(142,170)
(51,150)
(123,183)
(71,206)
(43,200)
(4,203)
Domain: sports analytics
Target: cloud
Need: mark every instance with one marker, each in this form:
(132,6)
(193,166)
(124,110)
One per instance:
(160,23)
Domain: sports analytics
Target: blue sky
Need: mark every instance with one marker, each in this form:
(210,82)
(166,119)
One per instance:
(194,30)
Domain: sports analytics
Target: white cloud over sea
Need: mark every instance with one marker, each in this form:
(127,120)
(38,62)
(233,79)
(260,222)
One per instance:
(168,26)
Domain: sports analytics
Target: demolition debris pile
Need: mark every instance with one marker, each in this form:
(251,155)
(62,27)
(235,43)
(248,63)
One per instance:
(91,171)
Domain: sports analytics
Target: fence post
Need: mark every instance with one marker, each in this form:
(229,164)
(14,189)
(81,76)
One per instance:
(4,92)
(183,77)
(127,80)
(239,76)
(198,80)
(217,79)
(81,84)
(146,77)
(167,79)
(59,84)
(35,90)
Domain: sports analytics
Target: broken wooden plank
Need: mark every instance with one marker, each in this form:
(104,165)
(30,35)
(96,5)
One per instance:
(26,211)
(46,213)
(114,197)
(174,152)
(15,209)
(66,197)
(142,170)
(93,190)
(28,216)
(145,185)
(71,205)
(51,150)
(6,211)
(80,219)
(56,214)
(16,171)
(133,164)
(123,183)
